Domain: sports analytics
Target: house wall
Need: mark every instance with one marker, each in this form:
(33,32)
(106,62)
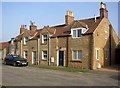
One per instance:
(4,52)
(102,42)
(33,46)
(25,47)
(58,44)
(114,44)
(18,48)
(53,51)
(12,48)
(79,44)
(43,47)
(1,54)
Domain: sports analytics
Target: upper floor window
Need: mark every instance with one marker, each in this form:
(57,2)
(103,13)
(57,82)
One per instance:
(12,42)
(25,40)
(77,32)
(44,39)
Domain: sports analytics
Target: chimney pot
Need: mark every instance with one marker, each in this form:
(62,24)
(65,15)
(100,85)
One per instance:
(103,11)
(69,13)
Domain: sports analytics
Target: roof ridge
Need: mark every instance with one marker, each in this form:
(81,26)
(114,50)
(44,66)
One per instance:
(89,18)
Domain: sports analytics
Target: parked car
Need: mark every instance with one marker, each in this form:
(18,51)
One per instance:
(15,60)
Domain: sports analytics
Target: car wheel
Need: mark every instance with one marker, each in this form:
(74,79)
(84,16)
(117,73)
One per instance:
(14,64)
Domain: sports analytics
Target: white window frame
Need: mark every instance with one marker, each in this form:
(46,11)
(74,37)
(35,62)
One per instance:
(25,52)
(77,59)
(12,42)
(98,54)
(25,40)
(43,38)
(43,58)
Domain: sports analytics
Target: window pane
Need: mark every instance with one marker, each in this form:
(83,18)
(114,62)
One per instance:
(44,39)
(79,33)
(75,55)
(44,54)
(79,55)
(74,33)
(106,54)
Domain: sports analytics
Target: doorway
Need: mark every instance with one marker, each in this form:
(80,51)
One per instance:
(34,57)
(61,58)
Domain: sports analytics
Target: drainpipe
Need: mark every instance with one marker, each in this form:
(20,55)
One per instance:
(66,51)
(38,51)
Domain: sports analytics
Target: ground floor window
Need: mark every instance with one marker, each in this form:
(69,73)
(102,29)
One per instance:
(77,55)
(44,55)
(106,54)
(25,54)
(97,54)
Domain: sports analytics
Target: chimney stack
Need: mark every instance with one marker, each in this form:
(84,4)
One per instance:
(103,11)
(23,28)
(33,26)
(69,17)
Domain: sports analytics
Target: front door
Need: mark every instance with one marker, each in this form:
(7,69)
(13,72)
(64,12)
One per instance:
(34,57)
(61,58)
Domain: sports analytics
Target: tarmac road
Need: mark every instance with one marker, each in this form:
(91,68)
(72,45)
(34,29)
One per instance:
(30,76)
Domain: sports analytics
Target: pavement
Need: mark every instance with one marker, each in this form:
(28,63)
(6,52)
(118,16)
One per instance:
(31,76)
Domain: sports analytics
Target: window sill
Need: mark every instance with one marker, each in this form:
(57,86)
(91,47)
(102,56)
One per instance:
(97,59)
(77,37)
(76,61)
(25,44)
(44,59)
(43,43)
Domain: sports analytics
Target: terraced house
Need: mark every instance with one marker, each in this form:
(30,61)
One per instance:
(87,43)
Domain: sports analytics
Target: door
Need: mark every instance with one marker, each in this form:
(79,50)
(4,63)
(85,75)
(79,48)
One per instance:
(61,58)
(34,57)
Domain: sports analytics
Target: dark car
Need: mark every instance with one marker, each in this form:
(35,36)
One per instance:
(15,60)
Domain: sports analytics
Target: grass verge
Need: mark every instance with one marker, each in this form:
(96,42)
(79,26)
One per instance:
(60,68)
(1,86)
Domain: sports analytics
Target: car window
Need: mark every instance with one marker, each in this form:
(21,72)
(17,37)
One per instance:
(16,58)
(9,57)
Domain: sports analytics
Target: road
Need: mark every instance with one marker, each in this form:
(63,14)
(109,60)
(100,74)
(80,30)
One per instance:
(30,76)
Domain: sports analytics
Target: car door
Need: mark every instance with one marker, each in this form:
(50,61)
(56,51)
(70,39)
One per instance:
(7,59)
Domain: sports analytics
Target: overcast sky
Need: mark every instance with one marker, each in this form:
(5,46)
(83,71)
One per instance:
(49,13)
